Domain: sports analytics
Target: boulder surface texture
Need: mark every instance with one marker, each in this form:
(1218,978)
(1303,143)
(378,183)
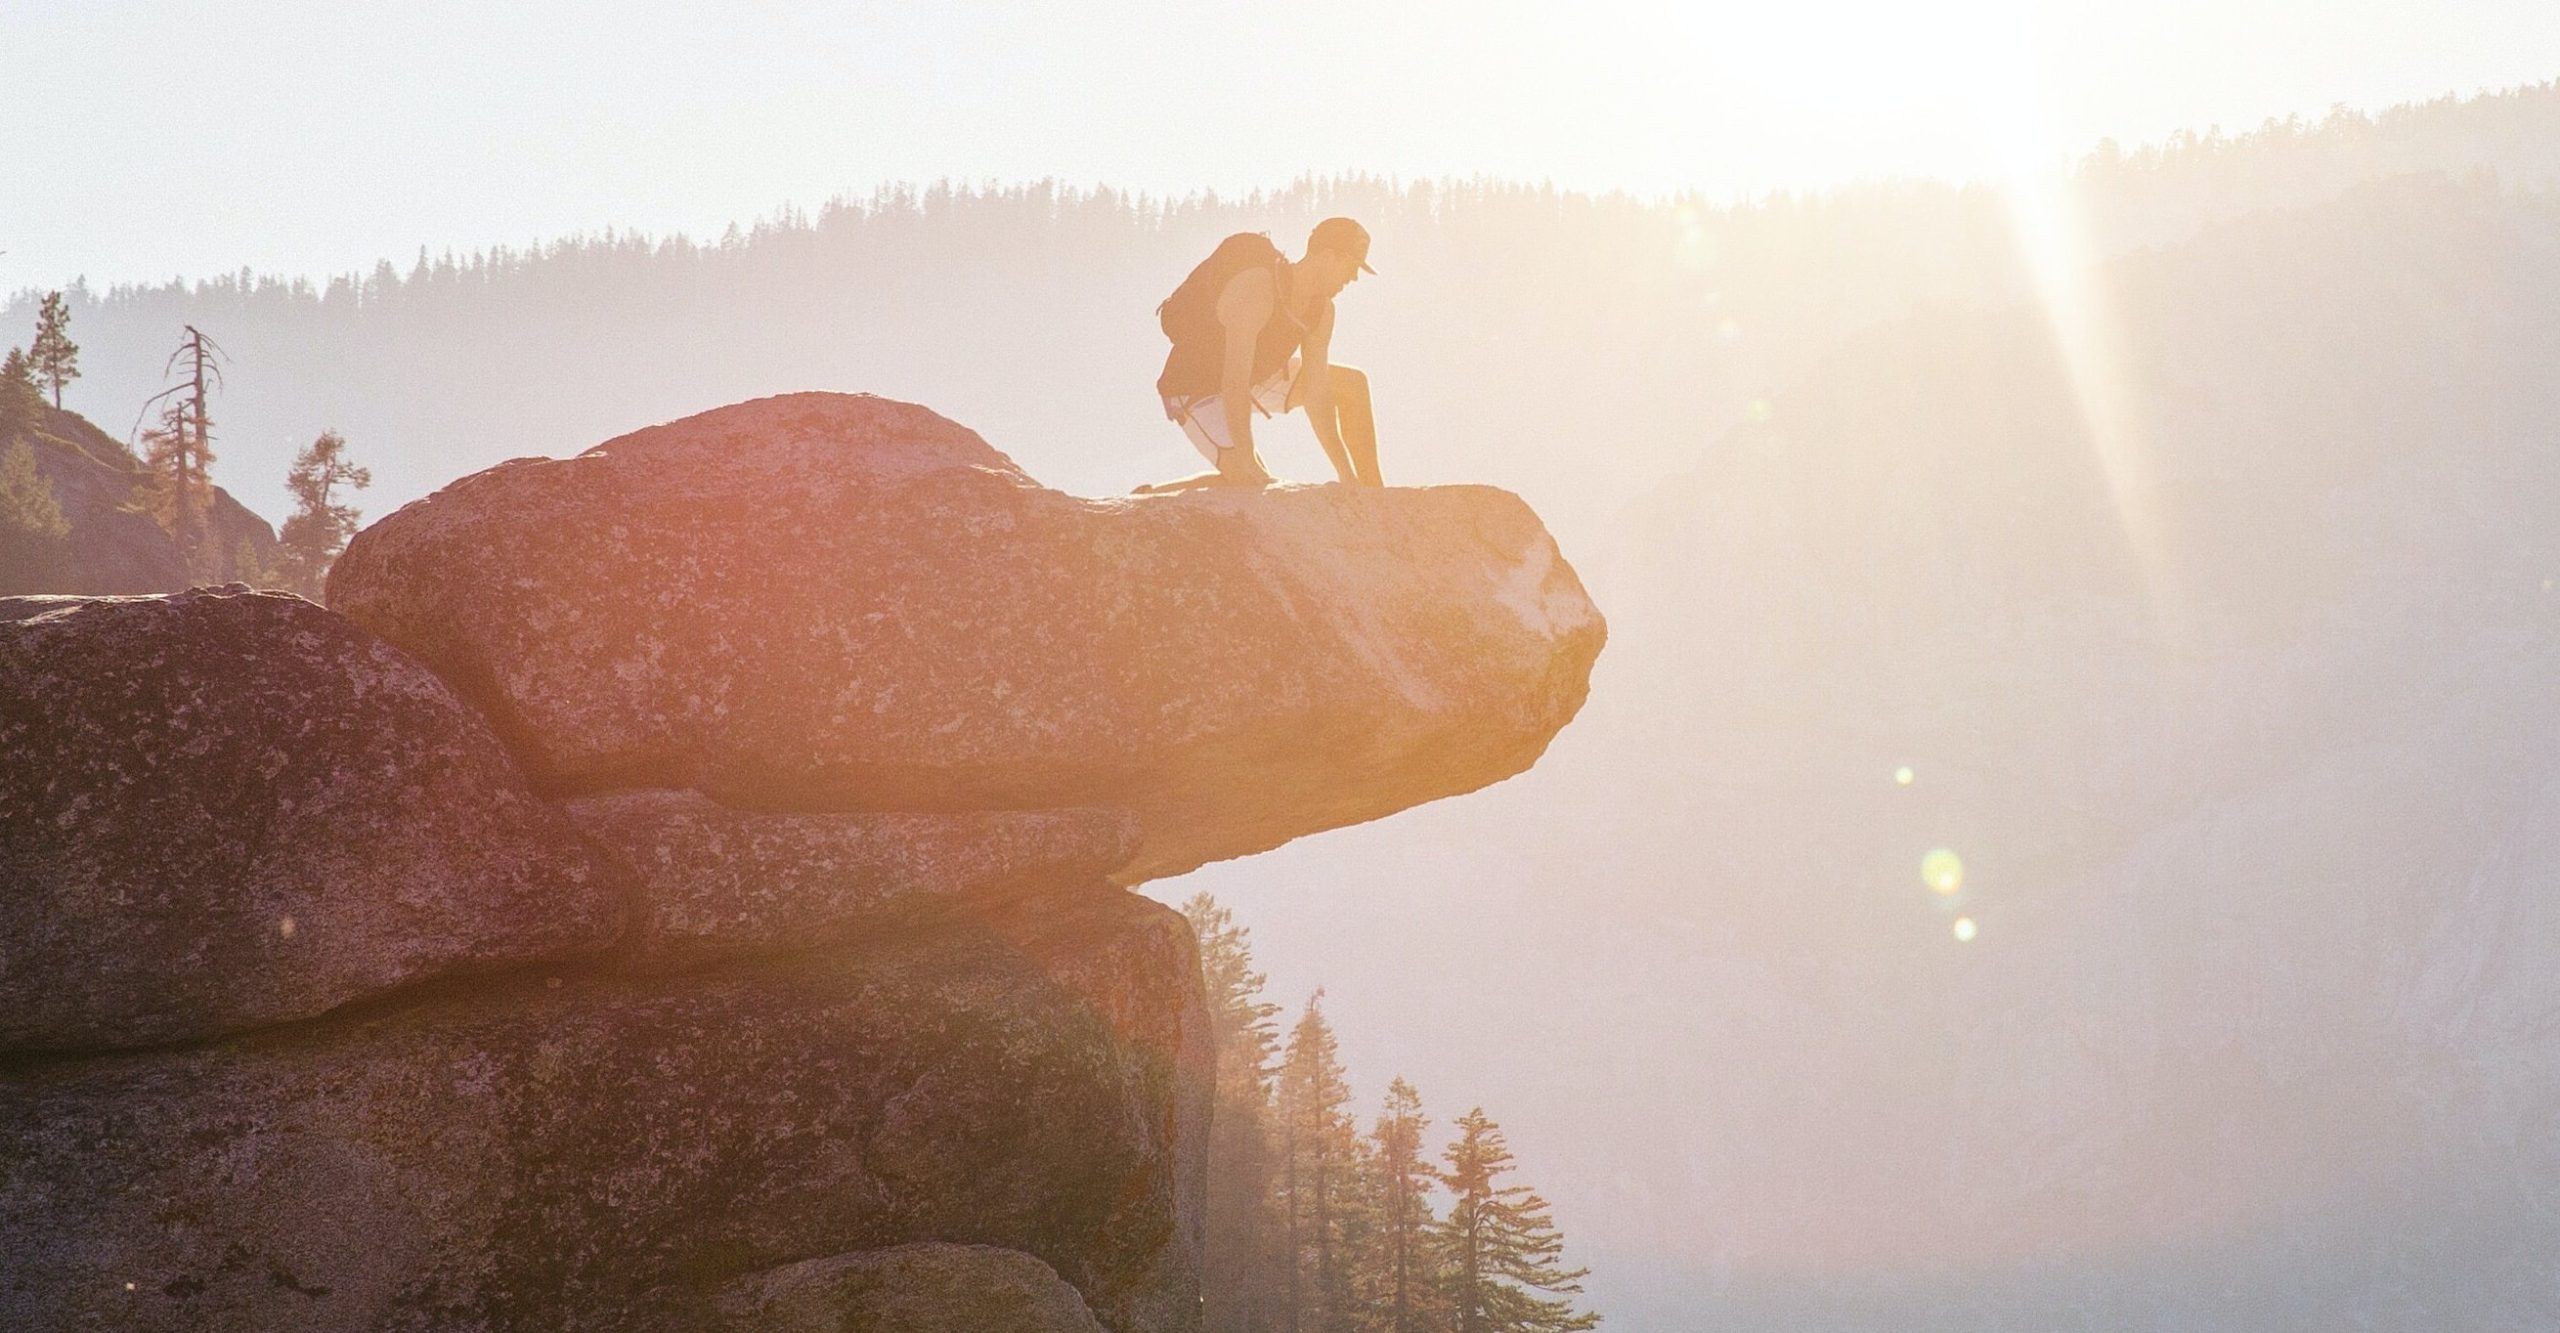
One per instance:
(929,1288)
(679,893)
(711,882)
(222,810)
(841,602)
(572,1149)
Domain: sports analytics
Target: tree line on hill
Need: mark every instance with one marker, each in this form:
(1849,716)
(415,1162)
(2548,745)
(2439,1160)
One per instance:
(170,480)
(452,362)
(1315,1226)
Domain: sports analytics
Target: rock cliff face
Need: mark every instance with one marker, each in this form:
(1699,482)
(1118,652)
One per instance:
(838,602)
(573,1150)
(774,1011)
(112,547)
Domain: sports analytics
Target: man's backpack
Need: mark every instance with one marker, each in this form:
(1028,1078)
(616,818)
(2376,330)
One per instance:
(1190,315)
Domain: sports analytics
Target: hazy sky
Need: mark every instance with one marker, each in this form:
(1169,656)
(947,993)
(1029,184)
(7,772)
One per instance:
(147,138)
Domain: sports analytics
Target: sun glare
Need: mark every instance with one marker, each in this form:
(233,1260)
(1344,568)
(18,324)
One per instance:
(2063,263)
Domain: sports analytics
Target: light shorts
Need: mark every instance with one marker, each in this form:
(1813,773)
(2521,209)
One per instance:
(1204,416)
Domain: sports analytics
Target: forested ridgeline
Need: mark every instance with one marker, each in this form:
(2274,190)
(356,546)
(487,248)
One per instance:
(1560,344)
(1315,1224)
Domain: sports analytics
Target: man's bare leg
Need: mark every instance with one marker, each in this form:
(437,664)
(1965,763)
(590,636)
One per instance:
(1356,421)
(1243,467)
(1331,442)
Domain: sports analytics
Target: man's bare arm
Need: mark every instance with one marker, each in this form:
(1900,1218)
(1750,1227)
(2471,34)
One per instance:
(1243,308)
(1315,392)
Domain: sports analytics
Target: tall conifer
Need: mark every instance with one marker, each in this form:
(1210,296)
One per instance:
(1243,1284)
(53,356)
(20,399)
(1320,1150)
(1400,1285)
(1502,1247)
(35,549)
(178,455)
(320,524)
(177,486)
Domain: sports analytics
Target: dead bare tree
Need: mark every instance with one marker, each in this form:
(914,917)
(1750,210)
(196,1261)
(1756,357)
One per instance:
(178,450)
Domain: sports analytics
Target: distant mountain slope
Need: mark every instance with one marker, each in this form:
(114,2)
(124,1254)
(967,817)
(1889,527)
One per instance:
(115,548)
(1568,347)
(2249,827)
(2246,748)
(2258,1030)
(2337,426)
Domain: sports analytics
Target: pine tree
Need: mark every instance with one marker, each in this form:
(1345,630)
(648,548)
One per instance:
(35,552)
(54,357)
(20,399)
(178,455)
(247,568)
(1400,1283)
(177,486)
(319,526)
(1502,1247)
(1357,1235)
(1242,1288)
(1319,1155)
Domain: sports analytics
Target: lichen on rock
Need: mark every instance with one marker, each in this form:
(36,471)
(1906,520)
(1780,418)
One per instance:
(928,1288)
(222,809)
(712,883)
(573,1149)
(696,909)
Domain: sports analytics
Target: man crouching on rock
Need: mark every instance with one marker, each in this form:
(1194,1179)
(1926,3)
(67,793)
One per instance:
(1252,331)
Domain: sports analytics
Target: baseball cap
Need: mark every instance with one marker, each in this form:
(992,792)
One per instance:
(1343,237)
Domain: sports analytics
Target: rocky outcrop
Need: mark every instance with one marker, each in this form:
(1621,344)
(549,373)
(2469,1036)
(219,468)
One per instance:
(574,1150)
(712,882)
(801,996)
(833,602)
(113,547)
(911,1289)
(223,810)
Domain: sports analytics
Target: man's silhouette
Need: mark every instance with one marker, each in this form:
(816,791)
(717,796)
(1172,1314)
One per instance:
(1252,331)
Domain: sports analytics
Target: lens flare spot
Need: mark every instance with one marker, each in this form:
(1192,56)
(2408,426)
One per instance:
(1943,872)
(1728,329)
(1965,930)
(1902,776)
(1762,409)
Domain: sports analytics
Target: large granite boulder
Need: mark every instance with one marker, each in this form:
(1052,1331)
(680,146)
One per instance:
(834,602)
(581,1148)
(223,809)
(713,883)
